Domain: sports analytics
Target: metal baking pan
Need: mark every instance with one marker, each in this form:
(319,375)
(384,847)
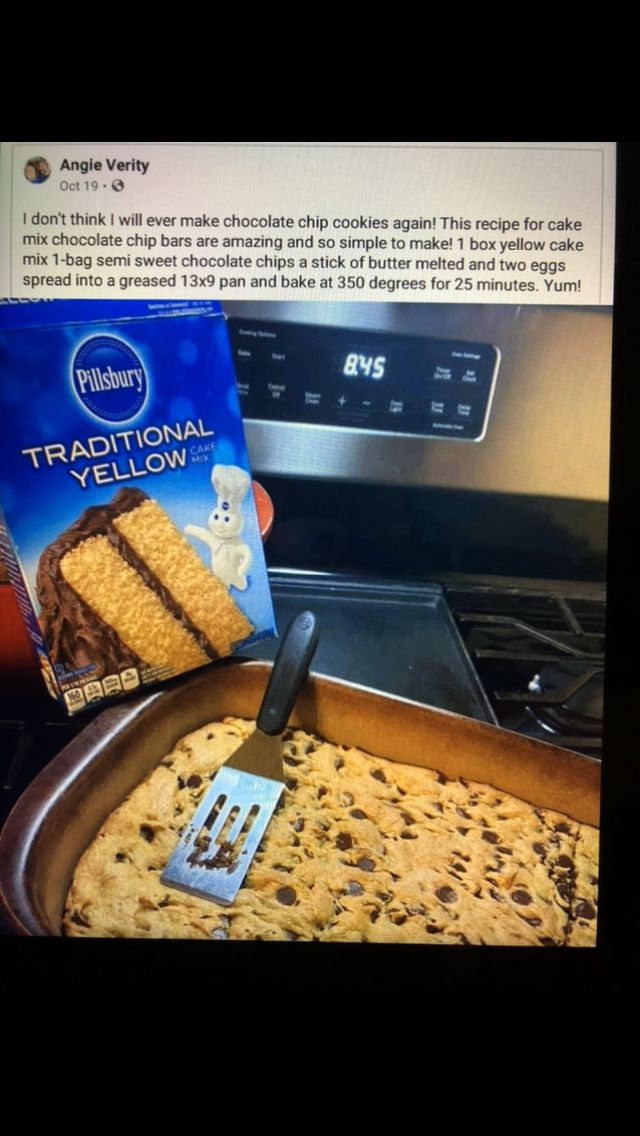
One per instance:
(62,810)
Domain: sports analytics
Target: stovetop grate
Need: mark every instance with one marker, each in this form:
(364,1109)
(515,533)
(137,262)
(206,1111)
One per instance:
(540,657)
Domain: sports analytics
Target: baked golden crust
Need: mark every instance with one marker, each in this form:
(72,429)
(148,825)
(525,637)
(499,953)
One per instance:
(360,849)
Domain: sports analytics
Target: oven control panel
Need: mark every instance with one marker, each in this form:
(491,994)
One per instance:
(367,380)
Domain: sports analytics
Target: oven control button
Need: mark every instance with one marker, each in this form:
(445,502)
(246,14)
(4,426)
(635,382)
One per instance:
(244,389)
(470,375)
(312,398)
(277,391)
(443,374)
(437,407)
(396,406)
(463,410)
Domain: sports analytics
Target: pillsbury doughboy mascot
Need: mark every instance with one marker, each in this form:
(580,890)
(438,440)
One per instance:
(230,556)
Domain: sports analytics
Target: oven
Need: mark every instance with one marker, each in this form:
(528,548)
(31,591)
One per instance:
(439,480)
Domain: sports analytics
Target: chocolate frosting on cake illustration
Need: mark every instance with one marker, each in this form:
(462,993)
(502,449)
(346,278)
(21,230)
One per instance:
(122,587)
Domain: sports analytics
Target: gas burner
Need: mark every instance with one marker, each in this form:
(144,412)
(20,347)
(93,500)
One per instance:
(540,657)
(570,698)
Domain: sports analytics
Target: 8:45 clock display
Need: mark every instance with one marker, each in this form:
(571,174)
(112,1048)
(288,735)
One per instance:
(364,366)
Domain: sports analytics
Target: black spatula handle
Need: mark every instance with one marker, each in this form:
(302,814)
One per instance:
(294,657)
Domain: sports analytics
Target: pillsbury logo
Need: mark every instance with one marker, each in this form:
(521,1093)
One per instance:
(109,379)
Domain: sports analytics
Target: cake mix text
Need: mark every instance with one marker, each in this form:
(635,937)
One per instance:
(128,446)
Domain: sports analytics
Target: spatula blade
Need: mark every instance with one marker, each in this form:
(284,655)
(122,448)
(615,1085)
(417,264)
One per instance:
(211,868)
(212,856)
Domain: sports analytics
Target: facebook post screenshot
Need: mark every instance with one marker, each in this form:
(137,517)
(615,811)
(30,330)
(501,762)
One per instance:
(304,489)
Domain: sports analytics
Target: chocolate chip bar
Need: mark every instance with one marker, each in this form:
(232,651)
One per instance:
(361,850)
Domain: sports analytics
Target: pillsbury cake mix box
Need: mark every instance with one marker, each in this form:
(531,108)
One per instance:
(129,526)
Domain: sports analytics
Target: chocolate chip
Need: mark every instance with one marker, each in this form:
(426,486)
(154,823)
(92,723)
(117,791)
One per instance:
(209,737)
(441,777)
(293,935)
(167,764)
(564,889)
(463,831)
(288,760)
(308,747)
(462,812)
(459,867)
(344,841)
(563,827)
(338,763)
(594,880)
(354,888)
(402,792)
(407,818)
(346,799)
(322,792)
(495,895)
(298,824)
(446,895)
(438,806)
(547,942)
(291,782)
(398,920)
(432,929)
(565,861)
(194,781)
(181,783)
(521,896)
(286,895)
(146,833)
(79,919)
(365,864)
(358,814)
(120,857)
(375,915)
(295,842)
(490,837)
(282,868)
(384,896)
(532,920)
(379,775)
(540,849)
(584,910)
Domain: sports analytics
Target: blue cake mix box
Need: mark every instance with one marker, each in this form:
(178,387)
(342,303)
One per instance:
(129,526)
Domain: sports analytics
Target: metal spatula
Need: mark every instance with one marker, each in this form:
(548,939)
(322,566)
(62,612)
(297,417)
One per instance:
(217,847)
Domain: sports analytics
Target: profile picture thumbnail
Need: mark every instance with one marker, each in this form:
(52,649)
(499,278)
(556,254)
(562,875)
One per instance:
(37,170)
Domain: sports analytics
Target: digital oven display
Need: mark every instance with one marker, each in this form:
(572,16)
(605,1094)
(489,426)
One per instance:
(363,380)
(364,366)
